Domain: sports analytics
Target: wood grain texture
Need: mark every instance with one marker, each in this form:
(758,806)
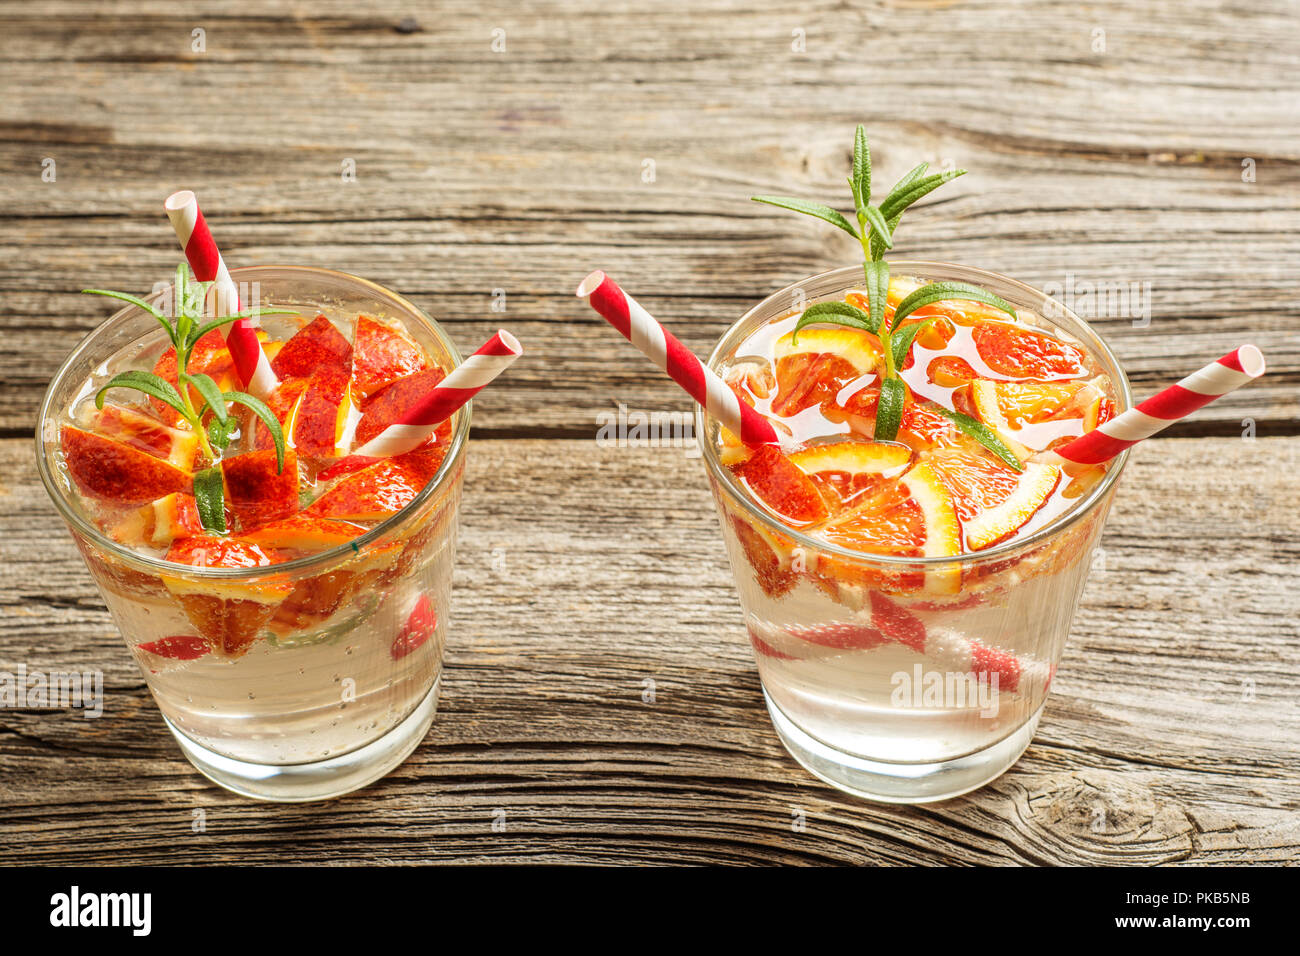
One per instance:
(522,170)
(1174,719)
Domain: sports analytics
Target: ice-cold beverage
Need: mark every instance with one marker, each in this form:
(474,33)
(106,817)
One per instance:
(908,599)
(289,649)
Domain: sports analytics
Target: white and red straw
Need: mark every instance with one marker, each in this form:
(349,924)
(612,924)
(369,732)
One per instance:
(1162,409)
(205,261)
(683,367)
(414,428)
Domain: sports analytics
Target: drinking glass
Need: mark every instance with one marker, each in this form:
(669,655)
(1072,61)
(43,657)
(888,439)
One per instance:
(874,684)
(325,700)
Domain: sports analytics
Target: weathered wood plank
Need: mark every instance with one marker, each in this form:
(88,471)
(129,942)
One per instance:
(1173,720)
(520,170)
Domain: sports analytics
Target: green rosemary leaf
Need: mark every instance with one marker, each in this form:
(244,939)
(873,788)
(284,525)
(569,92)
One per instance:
(861,182)
(878,245)
(210,497)
(900,340)
(982,434)
(809,209)
(211,393)
(897,202)
(841,313)
(889,409)
(879,228)
(259,408)
(220,433)
(877,274)
(942,291)
(233,317)
(146,382)
(139,303)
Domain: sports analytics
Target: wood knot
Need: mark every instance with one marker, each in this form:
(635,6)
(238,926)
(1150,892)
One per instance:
(1100,816)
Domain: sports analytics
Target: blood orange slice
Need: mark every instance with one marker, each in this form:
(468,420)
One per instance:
(847,471)
(229,614)
(992,500)
(912,517)
(883,507)
(1010,405)
(1007,407)
(113,471)
(1023,353)
(816,367)
(381,355)
(776,481)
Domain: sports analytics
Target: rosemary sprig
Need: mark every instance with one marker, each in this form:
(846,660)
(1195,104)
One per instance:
(875,232)
(217,434)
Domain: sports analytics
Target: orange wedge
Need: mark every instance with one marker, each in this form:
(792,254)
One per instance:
(179,446)
(116,472)
(316,347)
(377,491)
(255,493)
(912,517)
(992,500)
(389,404)
(1023,353)
(815,369)
(768,555)
(160,522)
(382,355)
(845,471)
(229,614)
(303,533)
(1007,406)
(776,481)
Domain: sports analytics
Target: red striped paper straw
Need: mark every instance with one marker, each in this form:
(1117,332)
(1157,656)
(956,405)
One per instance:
(661,347)
(1162,409)
(414,428)
(205,260)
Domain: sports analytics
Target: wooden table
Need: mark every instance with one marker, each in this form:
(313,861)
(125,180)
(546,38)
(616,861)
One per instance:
(502,151)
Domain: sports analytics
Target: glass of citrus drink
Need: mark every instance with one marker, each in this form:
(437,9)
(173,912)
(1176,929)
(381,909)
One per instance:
(295,649)
(908,600)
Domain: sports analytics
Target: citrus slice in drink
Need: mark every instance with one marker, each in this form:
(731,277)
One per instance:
(845,471)
(229,614)
(314,599)
(1010,405)
(992,500)
(913,517)
(389,404)
(768,554)
(1007,407)
(113,471)
(255,491)
(381,355)
(1023,353)
(776,481)
(159,523)
(179,446)
(316,347)
(818,365)
(381,489)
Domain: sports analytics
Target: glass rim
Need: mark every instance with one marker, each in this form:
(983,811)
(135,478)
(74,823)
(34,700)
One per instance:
(455,450)
(906,267)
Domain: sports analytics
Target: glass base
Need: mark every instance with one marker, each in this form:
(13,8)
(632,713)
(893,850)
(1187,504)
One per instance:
(901,782)
(323,779)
